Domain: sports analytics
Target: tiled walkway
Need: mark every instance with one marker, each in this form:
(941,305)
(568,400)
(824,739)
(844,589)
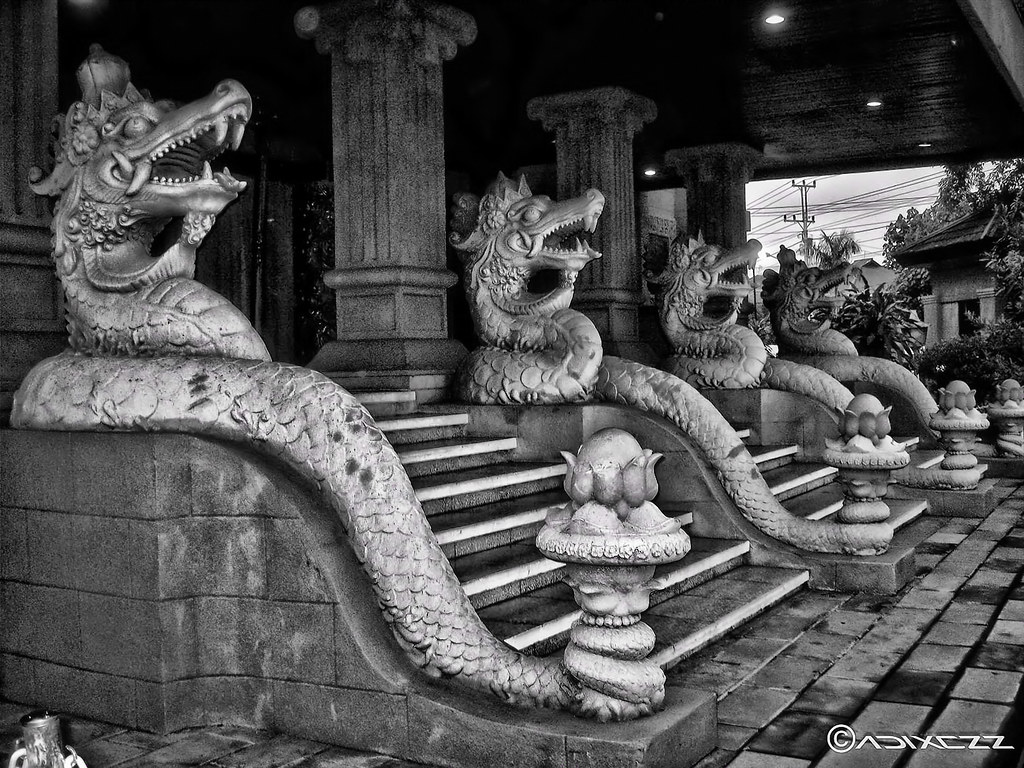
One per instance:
(945,656)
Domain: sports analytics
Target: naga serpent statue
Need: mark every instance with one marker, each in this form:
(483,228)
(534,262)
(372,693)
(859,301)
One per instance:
(538,350)
(698,293)
(800,300)
(153,350)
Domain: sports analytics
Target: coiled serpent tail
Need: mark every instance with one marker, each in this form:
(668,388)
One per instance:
(305,420)
(629,383)
(800,379)
(885,373)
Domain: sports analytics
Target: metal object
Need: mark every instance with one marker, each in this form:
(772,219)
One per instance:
(40,745)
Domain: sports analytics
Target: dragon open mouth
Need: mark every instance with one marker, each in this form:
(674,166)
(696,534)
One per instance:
(186,159)
(563,242)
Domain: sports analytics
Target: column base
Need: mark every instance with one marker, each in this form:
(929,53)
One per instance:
(389,355)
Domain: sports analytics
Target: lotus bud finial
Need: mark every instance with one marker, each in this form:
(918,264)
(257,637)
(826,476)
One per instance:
(957,394)
(864,416)
(1010,394)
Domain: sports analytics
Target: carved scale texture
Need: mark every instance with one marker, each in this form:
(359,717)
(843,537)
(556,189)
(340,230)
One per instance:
(173,316)
(303,419)
(563,370)
(629,383)
(787,376)
(731,357)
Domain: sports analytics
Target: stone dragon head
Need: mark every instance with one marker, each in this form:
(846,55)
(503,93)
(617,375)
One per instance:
(510,235)
(802,299)
(701,285)
(137,192)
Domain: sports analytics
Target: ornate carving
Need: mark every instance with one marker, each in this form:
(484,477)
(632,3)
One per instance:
(1007,413)
(163,354)
(801,300)
(698,292)
(536,349)
(958,422)
(612,536)
(363,29)
(866,457)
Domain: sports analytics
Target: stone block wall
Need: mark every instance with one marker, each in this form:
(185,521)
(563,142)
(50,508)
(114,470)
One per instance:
(163,581)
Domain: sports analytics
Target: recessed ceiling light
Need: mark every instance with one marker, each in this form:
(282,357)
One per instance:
(924,144)
(775,18)
(650,172)
(874,103)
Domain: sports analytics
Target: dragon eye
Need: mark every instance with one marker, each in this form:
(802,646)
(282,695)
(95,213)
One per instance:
(135,127)
(530,215)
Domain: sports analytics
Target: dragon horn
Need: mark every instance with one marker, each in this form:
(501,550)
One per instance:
(524,188)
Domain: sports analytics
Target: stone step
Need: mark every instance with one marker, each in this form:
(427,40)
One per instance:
(706,559)
(465,531)
(910,443)
(797,478)
(435,456)
(424,426)
(694,619)
(818,503)
(772,456)
(927,459)
(448,491)
(902,512)
(502,573)
(430,386)
(743,434)
(384,403)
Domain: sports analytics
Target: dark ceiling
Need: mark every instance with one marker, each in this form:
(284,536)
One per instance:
(716,71)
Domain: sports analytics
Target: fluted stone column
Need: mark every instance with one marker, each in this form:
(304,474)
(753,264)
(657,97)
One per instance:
(31,314)
(389,195)
(594,133)
(716,177)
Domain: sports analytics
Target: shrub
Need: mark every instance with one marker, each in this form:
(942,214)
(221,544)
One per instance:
(984,359)
(879,324)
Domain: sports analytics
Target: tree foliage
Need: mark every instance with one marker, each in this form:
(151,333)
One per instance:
(993,354)
(831,250)
(879,323)
(967,189)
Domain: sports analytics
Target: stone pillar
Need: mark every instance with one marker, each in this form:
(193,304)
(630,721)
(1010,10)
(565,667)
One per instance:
(390,270)
(987,304)
(594,132)
(31,314)
(930,313)
(949,322)
(716,177)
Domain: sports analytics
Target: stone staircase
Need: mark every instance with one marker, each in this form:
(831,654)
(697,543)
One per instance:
(486,508)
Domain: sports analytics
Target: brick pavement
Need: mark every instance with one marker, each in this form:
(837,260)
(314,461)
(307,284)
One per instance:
(944,655)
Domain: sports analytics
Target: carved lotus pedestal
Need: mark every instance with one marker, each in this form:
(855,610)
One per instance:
(1007,414)
(955,486)
(866,457)
(612,537)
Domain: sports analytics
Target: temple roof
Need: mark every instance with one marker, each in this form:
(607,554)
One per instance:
(969,235)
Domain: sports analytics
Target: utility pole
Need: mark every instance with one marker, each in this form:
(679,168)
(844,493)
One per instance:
(804,219)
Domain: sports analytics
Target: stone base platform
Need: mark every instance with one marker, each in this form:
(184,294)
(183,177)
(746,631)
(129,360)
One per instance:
(164,582)
(949,503)
(1002,467)
(884,574)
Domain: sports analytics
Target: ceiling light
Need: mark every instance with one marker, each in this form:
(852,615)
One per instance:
(774,18)
(650,172)
(924,144)
(873,103)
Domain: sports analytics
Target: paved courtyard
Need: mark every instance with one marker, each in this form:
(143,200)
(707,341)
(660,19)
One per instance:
(943,657)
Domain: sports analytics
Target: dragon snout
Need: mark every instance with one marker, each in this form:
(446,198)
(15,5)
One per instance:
(233,90)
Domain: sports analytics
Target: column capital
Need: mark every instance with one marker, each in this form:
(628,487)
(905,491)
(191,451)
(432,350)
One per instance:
(709,162)
(357,30)
(611,105)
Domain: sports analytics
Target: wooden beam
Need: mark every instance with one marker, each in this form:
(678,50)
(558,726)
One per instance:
(998,26)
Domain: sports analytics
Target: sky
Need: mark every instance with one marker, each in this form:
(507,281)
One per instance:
(864,203)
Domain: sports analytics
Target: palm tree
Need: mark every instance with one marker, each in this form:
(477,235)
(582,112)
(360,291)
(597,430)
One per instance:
(831,250)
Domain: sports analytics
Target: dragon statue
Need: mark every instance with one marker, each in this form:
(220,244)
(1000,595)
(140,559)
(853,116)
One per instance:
(537,349)
(698,292)
(153,350)
(801,300)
